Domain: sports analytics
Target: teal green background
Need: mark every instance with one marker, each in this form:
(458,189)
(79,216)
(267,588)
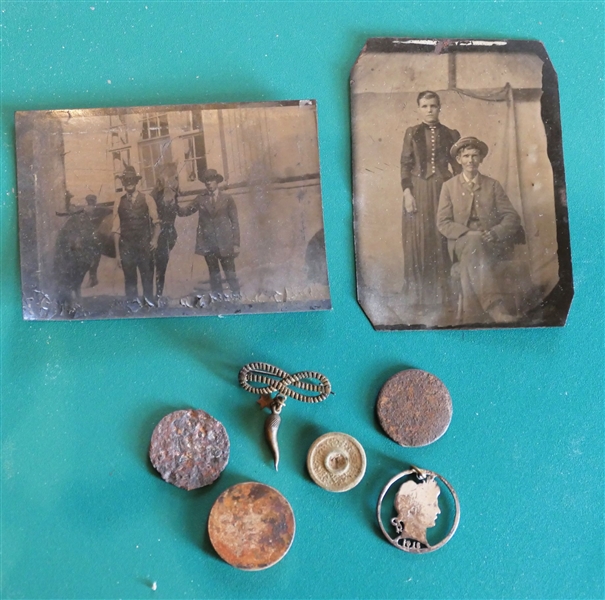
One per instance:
(84,515)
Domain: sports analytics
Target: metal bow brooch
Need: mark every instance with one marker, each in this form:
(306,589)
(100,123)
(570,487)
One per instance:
(275,386)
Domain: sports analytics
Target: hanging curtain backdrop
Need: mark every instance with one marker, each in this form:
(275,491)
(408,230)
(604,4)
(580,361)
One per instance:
(490,115)
(498,131)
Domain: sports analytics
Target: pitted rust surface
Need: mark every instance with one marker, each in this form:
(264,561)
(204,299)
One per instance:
(414,408)
(251,526)
(189,448)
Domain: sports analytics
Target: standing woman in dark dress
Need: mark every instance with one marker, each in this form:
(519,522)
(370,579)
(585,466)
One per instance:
(426,164)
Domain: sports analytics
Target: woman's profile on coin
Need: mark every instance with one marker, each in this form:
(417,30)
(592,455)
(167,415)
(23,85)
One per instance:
(416,507)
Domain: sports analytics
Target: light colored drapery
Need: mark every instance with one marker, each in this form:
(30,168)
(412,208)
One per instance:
(497,128)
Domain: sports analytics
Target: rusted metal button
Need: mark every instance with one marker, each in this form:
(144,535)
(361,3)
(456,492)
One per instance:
(189,448)
(414,408)
(251,526)
(336,462)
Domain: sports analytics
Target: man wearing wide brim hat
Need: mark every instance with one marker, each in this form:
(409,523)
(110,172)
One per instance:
(211,175)
(136,229)
(129,174)
(218,237)
(469,142)
(480,224)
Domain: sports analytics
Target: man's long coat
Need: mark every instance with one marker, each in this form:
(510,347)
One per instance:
(218,225)
(493,208)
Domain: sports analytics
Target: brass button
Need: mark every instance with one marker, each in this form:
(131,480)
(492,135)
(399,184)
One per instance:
(336,462)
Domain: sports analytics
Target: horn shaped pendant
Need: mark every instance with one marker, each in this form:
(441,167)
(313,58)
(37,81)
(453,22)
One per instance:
(276,386)
(271,426)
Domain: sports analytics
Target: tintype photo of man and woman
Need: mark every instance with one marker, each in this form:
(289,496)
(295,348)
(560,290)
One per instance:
(460,214)
(168,211)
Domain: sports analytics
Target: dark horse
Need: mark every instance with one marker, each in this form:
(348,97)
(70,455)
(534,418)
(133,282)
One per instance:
(78,248)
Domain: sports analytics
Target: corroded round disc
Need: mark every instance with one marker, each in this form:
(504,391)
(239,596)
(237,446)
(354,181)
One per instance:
(251,526)
(414,408)
(189,448)
(336,462)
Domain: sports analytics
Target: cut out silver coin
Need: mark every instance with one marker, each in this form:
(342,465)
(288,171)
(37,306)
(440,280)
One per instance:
(416,509)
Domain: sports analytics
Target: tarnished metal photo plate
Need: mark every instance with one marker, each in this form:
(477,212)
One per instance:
(459,194)
(164,211)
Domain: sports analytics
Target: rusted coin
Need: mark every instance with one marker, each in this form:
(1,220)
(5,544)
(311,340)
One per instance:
(189,448)
(414,408)
(251,526)
(336,462)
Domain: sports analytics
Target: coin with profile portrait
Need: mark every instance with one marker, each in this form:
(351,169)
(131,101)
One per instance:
(416,509)
(336,462)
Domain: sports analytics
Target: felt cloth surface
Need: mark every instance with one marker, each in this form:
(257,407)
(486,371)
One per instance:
(84,515)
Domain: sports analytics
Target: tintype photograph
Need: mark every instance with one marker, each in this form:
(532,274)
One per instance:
(170,211)
(459,188)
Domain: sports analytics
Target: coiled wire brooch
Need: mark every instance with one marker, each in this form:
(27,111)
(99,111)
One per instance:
(275,386)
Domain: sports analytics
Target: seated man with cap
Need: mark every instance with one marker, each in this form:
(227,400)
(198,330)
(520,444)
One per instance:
(480,224)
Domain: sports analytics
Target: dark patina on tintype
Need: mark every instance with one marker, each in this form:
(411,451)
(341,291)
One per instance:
(171,211)
(459,186)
